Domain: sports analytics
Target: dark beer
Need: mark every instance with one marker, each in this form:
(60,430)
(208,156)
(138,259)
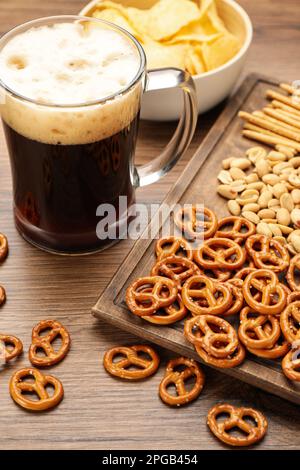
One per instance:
(57,188)
(71,127)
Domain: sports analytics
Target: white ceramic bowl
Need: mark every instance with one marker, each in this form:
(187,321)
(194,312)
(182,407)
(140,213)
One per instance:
(212,87)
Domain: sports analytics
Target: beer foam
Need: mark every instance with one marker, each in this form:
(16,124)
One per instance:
(68,64)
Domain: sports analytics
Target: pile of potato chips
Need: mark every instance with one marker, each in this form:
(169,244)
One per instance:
(176,33)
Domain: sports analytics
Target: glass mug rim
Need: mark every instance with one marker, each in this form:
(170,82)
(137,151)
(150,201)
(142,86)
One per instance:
(69,18)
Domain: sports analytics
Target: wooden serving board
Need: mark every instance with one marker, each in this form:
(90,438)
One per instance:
(197,184)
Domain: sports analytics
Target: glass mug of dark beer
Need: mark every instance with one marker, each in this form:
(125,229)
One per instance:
(70,94)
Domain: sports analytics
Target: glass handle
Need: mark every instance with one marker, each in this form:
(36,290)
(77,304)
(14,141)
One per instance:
(163,79)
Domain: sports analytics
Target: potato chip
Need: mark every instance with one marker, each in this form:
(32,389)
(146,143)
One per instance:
(165,18)
(116,16)
(220,51)
(194,63)
(187,34)
(160,55)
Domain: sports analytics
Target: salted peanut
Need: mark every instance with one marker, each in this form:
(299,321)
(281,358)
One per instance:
(286,230)
(287,171)
(252,178)
(248,196)
(288,151)
(234,207)
(263,229)
(255,153)
(279,189)
(273,203)
(262,167)
(286,201)
(295,216)
(238,185)
(294,180)
(251,216)
(253,207)
(269,221)
(295,193)
(295,162)
(280,239)
(295,241)
(283,216)
(277,157)
(291,249)
(275,229)
(266,214)
(224,177)
(242,163)
(277,169)
(271,179)
(259,185)
(237,174)
(264,198)
(295,232)
(226,191)
(226,163)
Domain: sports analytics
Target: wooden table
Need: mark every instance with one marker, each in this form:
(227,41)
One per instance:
(99,412)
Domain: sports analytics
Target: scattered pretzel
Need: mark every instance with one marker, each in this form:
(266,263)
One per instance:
(292,296)
(10,347)
(270,254)
(235,285)
(173,246)
(217,297)
(178,379)
(3,247)
(291,364)
(236,419)
(290,322)
(168,315)
(213,334)
(291,273)
(220,253)
(236,228)
(18,386)
(252,330)
(273,295)
(177,268)
(196,221)
(44,342)
(131,356)
(229,362)
(280,349)
(142,303)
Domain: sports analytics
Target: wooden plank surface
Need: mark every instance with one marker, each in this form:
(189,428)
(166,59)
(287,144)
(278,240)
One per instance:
(98,411)
(193,187)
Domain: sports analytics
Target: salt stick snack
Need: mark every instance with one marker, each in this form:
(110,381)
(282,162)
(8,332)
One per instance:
(44,342)
(178,379)
(131,356)
(18,386)
(236,419)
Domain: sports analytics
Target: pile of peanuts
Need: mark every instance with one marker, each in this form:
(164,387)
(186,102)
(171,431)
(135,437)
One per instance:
(264,187)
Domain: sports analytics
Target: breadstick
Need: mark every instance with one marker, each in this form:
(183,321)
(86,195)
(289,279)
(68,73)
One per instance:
(290,89)
(287,114)
(251,127)
(270,126)
(284,99)
(269,139)
(285,107)
(274,120)
(278,116)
